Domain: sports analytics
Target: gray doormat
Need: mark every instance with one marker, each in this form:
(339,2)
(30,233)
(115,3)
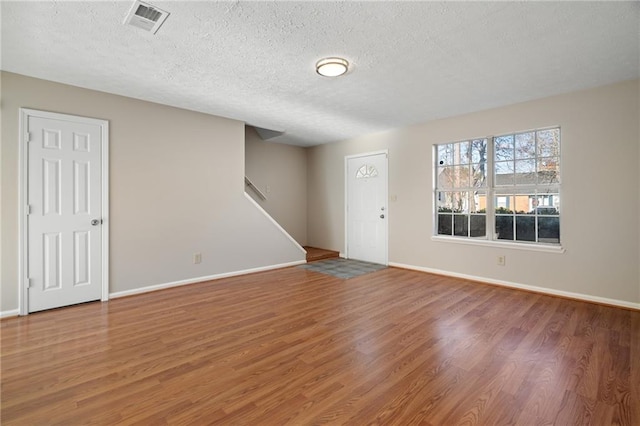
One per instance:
(342,268)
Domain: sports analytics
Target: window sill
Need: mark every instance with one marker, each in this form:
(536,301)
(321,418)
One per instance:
(499,244)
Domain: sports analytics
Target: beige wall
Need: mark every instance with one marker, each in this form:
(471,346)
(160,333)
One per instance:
(280,172)
(600,172)
(176,188)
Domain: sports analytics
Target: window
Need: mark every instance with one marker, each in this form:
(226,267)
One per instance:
(366,171)
(503,188)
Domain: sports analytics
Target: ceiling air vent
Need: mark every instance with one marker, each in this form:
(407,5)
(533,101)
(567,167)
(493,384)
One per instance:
(145,16)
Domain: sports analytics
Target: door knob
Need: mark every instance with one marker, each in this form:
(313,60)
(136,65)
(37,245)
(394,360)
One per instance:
(96,222)
(381,216)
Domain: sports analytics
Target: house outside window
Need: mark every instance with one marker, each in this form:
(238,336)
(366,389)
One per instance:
(503,188)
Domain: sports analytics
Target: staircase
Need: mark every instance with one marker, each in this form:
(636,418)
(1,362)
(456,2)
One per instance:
(320,254)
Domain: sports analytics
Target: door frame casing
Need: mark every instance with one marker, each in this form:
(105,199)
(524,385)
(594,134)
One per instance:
(346,200)
(23,182)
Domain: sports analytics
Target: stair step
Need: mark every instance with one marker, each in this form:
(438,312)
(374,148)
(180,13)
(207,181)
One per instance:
(314,253)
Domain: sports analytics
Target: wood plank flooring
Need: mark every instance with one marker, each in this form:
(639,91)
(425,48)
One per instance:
(314,254)
(290,346)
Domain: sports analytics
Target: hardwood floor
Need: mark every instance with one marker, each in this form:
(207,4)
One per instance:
(290,346)
(314,254)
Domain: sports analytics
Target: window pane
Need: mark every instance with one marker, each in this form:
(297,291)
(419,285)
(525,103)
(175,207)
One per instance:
(461,153)
(445,154)
(549,143)
(460,202)
(526,166)
(546,204)
(504,227)
(526,145)
(549,170)
(478,225)
(478,175)
(504,173)
(525,228)
(445,202)
(479,151)
(477,202)
(525,172)
(461,177)
(519,203)
(445,178)
(457,202)
(453,177)
(445,224)
(549,229)
(461,225)
(504,148)
(503,204)
(524,203)
(366,171)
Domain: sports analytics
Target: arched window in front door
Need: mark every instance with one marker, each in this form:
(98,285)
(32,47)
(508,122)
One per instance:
(366,171)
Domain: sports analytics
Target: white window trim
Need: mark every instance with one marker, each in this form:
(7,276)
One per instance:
(541,247)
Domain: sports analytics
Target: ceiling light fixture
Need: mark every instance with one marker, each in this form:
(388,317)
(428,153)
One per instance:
(332,67)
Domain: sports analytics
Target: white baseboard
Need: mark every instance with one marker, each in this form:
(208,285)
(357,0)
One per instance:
(11,313)
(543,290)
(536,289)
(156,287)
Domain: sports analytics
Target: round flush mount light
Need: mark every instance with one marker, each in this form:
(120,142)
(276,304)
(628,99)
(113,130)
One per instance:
(332,67)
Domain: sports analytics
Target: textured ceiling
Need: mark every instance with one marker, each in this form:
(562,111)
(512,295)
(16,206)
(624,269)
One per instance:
(254,61)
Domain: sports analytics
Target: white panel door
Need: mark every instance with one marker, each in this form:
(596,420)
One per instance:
(367,208)
(64,196)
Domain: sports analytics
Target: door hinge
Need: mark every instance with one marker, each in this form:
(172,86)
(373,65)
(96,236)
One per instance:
(28,282)
(27,136)
(29,209)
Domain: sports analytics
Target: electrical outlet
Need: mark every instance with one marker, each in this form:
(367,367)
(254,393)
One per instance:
(197,258)
(501,260)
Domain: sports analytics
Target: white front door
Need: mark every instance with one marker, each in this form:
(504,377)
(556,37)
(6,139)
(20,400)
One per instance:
(64,264)
(366,210)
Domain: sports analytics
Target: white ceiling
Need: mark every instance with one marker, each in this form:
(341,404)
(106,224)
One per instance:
(254,61)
